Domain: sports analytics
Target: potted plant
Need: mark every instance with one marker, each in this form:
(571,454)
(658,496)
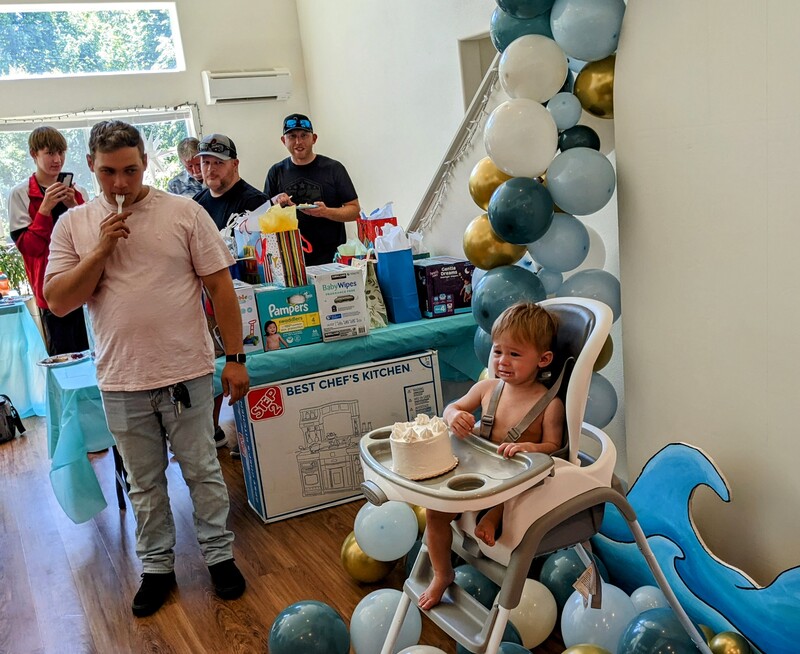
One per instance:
(11,264)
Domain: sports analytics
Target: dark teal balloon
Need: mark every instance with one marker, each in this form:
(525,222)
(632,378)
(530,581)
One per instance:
(521,210)
(512,648)
(510,637)
(411,557)
(596,285)
(500,288)
(525,8)
(482,342)
(504,28)
(561,569)
(477,584)
(656,631)
(579,136)
(602,403)
(309,627)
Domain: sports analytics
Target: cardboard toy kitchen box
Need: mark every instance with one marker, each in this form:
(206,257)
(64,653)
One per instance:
(444,286)
(294,312)
(299,438)
(341,299)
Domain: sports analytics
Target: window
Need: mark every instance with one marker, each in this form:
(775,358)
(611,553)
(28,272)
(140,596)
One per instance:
(72,39)
(162,130)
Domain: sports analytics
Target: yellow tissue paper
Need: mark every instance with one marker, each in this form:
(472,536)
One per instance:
(278,219)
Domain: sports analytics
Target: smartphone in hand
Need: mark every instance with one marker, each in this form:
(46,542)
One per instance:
(65,178)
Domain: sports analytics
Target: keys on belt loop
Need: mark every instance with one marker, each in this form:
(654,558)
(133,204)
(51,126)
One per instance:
(179,396)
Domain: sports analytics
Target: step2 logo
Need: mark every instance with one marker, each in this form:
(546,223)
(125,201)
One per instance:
(265,403)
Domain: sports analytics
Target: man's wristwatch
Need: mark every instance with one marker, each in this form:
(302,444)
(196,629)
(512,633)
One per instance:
(235,358)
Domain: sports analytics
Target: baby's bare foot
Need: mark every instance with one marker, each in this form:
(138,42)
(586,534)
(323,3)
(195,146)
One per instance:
(432,595)
(486,529)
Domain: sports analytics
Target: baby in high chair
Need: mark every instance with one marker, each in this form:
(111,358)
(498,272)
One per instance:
(521,339)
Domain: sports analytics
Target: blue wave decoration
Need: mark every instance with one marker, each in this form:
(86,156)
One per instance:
(712,592)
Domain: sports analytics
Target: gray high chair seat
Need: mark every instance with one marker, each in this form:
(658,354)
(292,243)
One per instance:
(550,502)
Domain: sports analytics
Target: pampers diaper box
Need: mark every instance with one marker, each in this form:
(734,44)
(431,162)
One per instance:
(342,300)
(288,316)
(299,437)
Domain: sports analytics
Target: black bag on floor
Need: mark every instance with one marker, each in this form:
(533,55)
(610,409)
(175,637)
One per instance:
(10,422)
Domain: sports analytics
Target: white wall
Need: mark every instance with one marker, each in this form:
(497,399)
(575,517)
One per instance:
(384,86)
(708,134)
(239,35)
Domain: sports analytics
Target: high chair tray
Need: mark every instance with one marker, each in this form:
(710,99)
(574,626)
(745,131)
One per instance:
(482,478)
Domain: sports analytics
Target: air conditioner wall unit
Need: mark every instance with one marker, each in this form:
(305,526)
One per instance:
(244,86)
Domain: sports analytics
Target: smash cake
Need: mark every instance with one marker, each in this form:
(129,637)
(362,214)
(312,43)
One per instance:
(422,449)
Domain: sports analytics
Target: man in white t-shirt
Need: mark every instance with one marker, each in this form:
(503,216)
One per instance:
(139,257)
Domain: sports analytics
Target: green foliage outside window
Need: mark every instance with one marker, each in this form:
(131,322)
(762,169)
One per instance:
(11,264)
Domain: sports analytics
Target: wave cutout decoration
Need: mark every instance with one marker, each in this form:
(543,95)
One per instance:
(712,592)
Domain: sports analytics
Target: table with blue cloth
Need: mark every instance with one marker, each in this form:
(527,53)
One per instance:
(451,336)
(76,424)
(21,346)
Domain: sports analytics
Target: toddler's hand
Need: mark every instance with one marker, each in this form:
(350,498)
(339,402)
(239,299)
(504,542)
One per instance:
(509,449)
(462,423)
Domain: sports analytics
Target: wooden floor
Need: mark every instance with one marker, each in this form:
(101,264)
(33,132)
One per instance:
(67,588)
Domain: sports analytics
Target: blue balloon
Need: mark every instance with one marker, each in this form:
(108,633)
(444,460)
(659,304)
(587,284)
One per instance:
(372,617)
(596,285)
(561,569)
(512,648)
(510,637)
(656,631)
(602,403)
(564,246)
(500,288)
(551,280)
(525,8)
(579,136)
(309,627)
(482,342)
(504,28)
(520,210)
(386,532)
(581,181)
(477,584)
(565,109)
(575,65)
(587,29)
(603,626)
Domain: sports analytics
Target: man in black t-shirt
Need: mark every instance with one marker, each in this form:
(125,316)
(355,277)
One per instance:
(309,178)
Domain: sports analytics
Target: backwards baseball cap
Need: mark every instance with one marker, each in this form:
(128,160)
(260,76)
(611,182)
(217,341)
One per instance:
(297,121)
(217,145)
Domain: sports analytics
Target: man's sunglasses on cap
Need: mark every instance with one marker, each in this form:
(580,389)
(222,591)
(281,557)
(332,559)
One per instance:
(218,148)
(293,123)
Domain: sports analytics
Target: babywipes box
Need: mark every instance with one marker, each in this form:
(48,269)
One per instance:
(287,316)
(342,302)
(251,329)
(444,286)
(299,438)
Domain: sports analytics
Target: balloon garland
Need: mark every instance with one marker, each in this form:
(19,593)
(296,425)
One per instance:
(544,172)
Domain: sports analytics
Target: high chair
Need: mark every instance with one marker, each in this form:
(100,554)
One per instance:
(551,502)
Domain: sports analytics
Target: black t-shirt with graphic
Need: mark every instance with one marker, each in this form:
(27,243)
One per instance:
(323,179)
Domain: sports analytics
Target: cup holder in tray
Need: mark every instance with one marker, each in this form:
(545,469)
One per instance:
(466,483)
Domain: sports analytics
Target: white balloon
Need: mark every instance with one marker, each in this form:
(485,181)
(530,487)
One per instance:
(645,598)
(422,649)
(535,615)
(533,66)
(521,137)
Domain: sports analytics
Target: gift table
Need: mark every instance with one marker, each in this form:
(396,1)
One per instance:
(21,346)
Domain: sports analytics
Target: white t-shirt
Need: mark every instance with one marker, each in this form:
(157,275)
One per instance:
(148,320)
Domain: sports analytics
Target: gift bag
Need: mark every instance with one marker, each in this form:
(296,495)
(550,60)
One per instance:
(375,304)
(396,276)
(369,227)
(281,258)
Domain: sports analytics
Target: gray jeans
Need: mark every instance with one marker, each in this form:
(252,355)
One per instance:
(138,420)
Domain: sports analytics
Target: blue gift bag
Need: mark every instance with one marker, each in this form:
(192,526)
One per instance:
(398,286)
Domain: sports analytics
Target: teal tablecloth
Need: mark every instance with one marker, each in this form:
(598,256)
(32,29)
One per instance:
(451,336)
(21,346)
(76,424)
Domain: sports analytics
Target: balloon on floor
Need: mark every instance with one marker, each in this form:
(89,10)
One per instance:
(372,617)
(309,627)
(360,566)
(386,532)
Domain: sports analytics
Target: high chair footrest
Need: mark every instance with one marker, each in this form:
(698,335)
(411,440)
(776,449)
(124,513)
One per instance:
(459,615)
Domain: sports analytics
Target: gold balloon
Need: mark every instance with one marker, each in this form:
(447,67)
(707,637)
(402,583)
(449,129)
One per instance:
(586,648)
(729,642)
(483,180)
(486,249)
(594,87)
(419,511)
(484,374)
(707,632)
(605,355)
(361,567)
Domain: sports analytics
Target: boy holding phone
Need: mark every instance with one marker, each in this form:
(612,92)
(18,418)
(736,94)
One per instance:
(34,206)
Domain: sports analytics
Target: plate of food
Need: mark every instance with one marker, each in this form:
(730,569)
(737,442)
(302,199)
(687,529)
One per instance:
(306,206)
(59,360)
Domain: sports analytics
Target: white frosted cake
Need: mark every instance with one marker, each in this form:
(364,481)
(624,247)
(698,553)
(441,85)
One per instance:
(422,449)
